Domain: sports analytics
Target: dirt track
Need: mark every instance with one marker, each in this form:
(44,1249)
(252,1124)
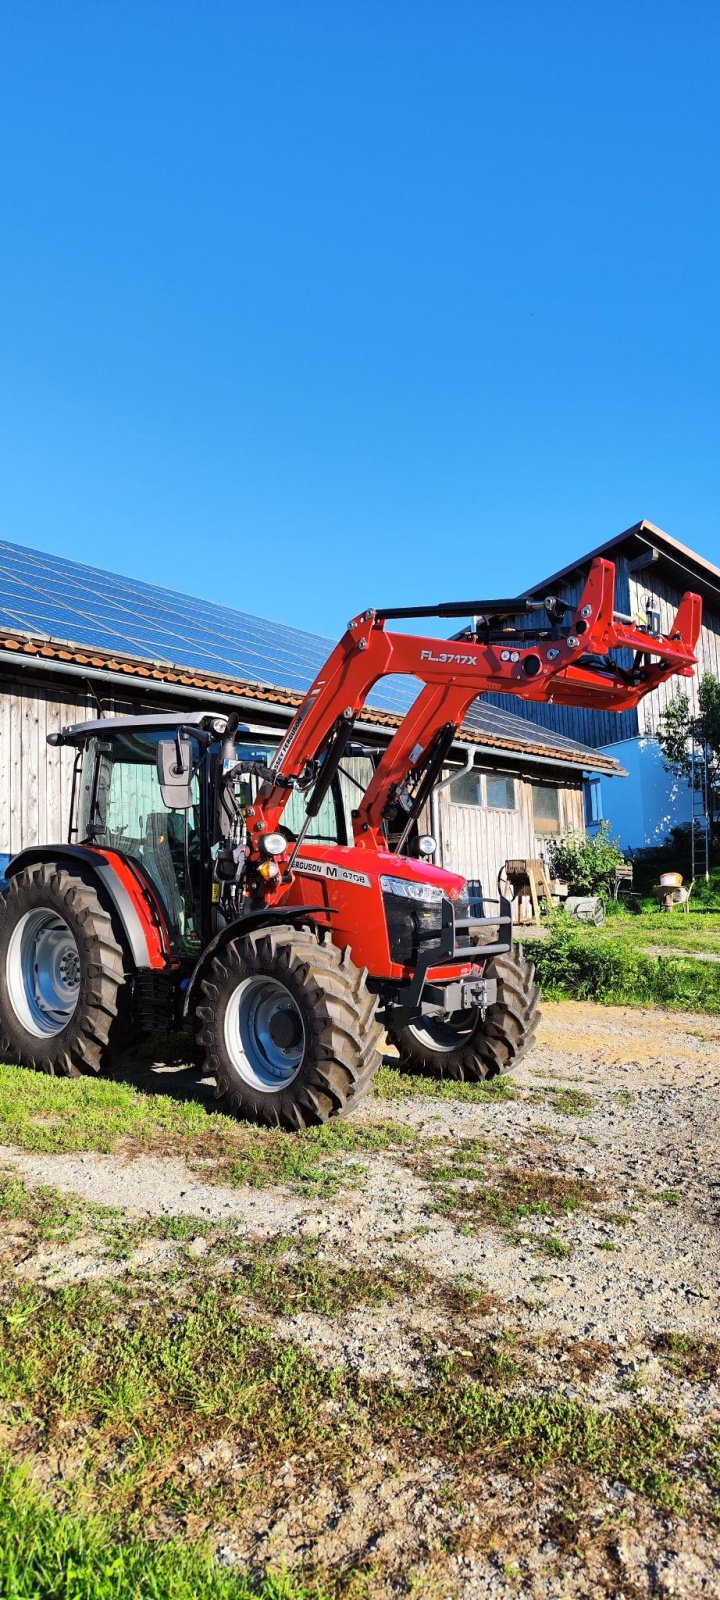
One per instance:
(623,1103)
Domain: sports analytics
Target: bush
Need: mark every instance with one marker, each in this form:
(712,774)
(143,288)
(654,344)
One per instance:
(587,863)
(579,967)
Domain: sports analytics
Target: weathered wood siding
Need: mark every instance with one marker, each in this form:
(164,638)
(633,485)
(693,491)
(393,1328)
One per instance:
(36,785)
(594,728)
(666,597)
(478,840)
(35,777)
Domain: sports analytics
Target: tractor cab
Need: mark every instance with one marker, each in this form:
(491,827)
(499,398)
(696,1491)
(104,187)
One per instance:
(148,788)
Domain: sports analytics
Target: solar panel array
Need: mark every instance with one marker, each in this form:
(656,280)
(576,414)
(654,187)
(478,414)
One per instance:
(66,601)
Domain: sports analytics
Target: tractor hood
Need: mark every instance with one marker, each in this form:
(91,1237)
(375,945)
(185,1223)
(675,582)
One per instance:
(352,865)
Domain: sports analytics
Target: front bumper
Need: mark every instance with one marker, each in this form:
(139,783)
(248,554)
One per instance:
(464,943)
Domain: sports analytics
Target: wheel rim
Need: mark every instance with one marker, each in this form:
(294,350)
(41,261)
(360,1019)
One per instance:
(43,972)
(445,1033)
(264,1034)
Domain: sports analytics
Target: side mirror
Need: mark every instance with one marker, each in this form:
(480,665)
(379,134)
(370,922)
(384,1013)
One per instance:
(174,770)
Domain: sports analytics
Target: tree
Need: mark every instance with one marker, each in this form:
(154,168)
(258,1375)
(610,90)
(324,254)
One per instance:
(680,729)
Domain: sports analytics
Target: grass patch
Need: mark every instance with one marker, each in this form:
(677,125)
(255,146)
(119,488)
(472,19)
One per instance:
(513,1195)
(144,1389)
(46,1554)
(566,1102)
(578,964)
(551,1246)
(61,1116)
(692,934)
(309,1283)
(689,1357)
(391,1084)
(32,1217)
(283,1276)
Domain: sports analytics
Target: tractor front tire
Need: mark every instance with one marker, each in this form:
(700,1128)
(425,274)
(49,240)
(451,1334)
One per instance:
(63,985)
(287,1027)
(468,1046)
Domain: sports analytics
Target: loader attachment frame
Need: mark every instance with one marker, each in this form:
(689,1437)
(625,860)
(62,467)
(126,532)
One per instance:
(556,662)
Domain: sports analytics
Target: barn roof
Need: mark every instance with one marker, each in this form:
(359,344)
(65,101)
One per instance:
(646,544)
(61,611)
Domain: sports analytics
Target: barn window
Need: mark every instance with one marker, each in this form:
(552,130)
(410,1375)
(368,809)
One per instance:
(500,791)
(546,808)
(467,789)
(484,789)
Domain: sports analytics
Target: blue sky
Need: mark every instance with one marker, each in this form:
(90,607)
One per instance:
(310,306)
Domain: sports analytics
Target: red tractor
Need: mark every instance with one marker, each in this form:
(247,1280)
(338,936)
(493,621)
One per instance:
(202,887)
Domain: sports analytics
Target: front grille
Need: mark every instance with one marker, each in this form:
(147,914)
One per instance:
(412,926)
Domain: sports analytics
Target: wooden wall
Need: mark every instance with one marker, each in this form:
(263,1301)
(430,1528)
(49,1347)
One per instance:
(593,728)
(600,728)
(36,782)
(478,840)
(666,596)
(35,779)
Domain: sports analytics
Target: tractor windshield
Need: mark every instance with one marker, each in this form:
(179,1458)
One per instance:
(333,823)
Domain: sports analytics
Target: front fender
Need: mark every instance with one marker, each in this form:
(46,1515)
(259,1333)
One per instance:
(273,917)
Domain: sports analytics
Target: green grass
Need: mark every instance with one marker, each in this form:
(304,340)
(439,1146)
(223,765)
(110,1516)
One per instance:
(550,1245)
(507,1197)
(45,1214)
(309,1283)
(57,1115)
(688,1356)
(162,1382)
(595,964)
(568,1102)
(391,1084)
(46,1554)
(674,929)
(283,1276)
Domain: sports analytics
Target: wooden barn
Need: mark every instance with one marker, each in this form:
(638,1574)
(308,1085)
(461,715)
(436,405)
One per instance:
(653,570)
(77,642)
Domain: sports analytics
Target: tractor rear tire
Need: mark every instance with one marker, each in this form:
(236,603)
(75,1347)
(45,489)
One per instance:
(287,1026)
(469,1047)
(64,994)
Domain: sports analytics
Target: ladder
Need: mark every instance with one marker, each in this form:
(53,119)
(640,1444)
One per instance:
(699,819)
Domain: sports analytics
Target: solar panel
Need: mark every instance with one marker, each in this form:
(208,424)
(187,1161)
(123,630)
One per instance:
(85,606)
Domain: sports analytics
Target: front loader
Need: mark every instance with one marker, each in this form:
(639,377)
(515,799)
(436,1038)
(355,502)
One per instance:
(211,883)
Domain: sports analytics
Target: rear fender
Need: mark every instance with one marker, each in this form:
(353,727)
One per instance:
(273,917)
(139,916)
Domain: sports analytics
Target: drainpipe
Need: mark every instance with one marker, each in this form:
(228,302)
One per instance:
(443,784)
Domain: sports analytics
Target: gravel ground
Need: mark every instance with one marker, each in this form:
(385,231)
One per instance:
(642,1262)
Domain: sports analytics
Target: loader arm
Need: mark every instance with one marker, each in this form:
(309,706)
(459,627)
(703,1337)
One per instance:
(563,662)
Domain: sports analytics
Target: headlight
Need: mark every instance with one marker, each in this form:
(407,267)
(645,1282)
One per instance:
(274,843)
(411,890)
